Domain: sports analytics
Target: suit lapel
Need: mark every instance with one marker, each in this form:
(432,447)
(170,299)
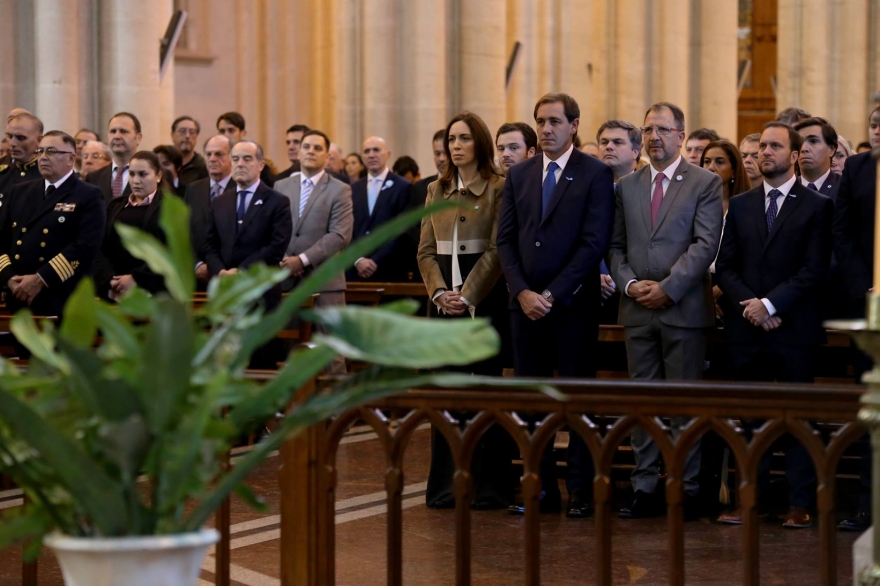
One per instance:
(757,215)
(565,179)
(256,201)
(294,205)
(672,192)
(791,202)
(48,204)
(380,199)
(225,214)
(645,202)
(153,209)
(359,203)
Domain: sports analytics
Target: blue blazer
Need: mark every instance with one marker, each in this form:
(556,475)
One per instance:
(393,200)
(560,252)
(854,224)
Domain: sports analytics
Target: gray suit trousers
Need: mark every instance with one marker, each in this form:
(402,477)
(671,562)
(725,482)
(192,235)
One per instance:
(657,351)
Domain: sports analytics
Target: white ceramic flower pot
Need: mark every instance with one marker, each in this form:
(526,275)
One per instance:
(165,560)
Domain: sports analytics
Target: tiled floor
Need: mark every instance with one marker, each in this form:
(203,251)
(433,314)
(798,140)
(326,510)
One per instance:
(639,547)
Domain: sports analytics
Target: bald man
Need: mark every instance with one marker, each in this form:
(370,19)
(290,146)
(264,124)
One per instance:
(377,198)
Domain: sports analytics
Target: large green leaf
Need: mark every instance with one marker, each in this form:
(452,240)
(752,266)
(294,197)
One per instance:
(92,489)
(21,525)
(79,325)
(112,399)
(120,338)
(392,339)
(41,343)
(147,248)
(174,221)
(164,381)
(228,294)
(329,269)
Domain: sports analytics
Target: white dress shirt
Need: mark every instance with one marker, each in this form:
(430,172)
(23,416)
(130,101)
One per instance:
(784,189)
(457,281)
(58,183)
(819,182)
(223,183)
(314,179)
(380,183)
(562,161)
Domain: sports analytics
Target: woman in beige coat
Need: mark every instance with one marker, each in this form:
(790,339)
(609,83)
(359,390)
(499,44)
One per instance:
(461,269)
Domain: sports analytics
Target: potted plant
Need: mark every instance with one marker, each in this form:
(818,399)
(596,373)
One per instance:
(116,442)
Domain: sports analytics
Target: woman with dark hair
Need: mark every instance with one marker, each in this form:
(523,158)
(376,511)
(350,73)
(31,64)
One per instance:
(459,263)
(354,167)
(116,270)
(171,161)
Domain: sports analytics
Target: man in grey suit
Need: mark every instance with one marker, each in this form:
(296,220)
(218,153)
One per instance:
(323,218)
(666,231)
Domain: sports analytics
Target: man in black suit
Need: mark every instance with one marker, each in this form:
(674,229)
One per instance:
(232,125)
(420,188)
(124,131)
(249,226)
(773,262)
(377,198)
(52,233)
(201,193)
(555,228)
(854,250)
(294,143)
(185,134)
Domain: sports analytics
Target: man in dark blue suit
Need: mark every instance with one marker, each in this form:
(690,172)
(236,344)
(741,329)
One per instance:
(249,225)
(377,198)
(854,249)
(554,230)
(773,263)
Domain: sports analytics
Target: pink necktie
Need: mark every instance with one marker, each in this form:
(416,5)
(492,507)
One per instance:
(116,186)
(657,198)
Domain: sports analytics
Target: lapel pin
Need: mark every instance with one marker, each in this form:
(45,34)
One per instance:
(570,178)
(476,207)
(60,219)
(679,178)
(388,184)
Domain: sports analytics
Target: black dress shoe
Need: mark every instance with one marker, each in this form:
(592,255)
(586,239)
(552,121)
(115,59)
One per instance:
(643,505)
(691,508)
(579,507)
(547,505)
(860,522)
(442,503)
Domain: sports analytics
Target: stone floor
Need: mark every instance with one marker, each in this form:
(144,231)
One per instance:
(639,547)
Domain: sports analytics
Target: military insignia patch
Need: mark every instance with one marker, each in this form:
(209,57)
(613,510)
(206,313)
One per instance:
(65,207)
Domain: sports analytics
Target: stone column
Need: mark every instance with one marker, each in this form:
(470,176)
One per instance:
(669,28)
(348,103)
(381,62)
(630,78)
(716,98)
(523,92)
(576,52)
(483,59)
(57,46)
(849,69)
(423,95)
(129,43)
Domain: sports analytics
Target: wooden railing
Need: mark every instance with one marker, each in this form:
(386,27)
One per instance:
(308,474)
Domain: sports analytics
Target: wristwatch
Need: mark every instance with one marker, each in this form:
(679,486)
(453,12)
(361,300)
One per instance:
(548,296)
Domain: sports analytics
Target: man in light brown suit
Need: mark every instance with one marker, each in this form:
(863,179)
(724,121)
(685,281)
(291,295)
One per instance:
(667,227)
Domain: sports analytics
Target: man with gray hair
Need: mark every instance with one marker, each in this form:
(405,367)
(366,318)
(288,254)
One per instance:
(95,155)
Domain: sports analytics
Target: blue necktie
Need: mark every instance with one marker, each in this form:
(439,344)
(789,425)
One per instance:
(304,195)
(772,210)
(372,193)
(242,209)
(548,187)
(812,186)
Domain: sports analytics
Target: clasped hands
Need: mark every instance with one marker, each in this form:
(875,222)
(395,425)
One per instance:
(294,264)
(756,312)
(451,303)
(649,294)
(25,287)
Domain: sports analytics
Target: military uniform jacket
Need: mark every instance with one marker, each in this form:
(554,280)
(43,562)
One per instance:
(55,237)
(11,175)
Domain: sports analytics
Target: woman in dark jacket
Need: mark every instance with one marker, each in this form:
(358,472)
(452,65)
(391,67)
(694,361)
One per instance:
(459,263)
(116,270)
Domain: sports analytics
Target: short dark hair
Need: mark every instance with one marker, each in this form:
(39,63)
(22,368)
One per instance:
(184,118)
(405,164)
(90,131)
(172,153)
(315,133)
(130,116)
(791,115)
(233,118)
(484,148)
(829,135)
(65,138)
(753,137)
(30,118)
(439,135)
(530,137)
(863,145)
(875,110)
(635,135)
(795,140)
(677,113)
(569,105)
(150,158)
(300,128)
(703,134)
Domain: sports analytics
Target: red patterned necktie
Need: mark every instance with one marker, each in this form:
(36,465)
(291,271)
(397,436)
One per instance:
(116,186)
(657,198)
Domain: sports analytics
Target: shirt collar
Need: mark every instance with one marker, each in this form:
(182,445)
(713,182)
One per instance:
(252,188)
(476,187)
(144,202)
(668,172)
(314,178)
(114,167)
(381,176)
(785,188)
(820,182)
(223,183)
(562,161)
(58,183)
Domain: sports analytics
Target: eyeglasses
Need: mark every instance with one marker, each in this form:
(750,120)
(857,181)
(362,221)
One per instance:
(187,131)
(52,151)
(660,130)
(97,156)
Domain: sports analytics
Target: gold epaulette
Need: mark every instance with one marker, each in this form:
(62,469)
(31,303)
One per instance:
(29,164)
(3,168)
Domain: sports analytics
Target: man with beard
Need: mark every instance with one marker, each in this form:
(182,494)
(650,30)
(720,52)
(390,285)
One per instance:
(185,135)
(773,262)
(516,142)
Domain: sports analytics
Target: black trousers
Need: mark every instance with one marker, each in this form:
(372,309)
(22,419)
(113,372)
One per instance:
(566,340)
(770,362)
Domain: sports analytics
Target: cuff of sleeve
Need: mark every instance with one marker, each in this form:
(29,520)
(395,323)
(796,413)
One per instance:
(770,308)
(472,309)
(358,260)
(626,289)
(304,259)
(198,264)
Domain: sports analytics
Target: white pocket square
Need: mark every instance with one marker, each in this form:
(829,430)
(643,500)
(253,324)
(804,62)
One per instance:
(259,202)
